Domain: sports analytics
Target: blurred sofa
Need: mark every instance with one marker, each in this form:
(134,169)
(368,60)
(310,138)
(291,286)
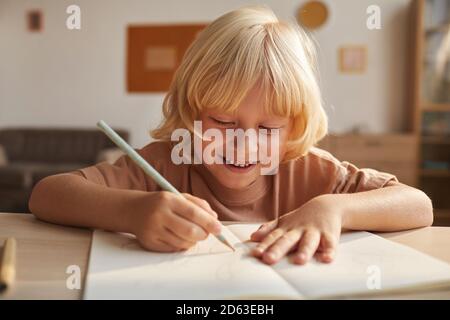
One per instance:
(29,154)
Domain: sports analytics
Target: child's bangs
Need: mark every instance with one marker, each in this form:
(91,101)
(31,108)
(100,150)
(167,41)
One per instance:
(222,85)
(282,97)
(223,94)
(225,76)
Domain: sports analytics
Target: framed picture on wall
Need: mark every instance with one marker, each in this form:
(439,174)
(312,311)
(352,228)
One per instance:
(353,59)
(34,20)
(154,52)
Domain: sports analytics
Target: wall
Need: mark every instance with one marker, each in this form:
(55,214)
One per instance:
(73,78)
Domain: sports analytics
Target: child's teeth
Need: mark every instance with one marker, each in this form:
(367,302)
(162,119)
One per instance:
(238,164)
(242,165)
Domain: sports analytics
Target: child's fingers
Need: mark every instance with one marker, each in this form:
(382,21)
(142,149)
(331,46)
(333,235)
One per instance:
(263,230)
(162,246)
(192,212)
(267,242)
(325,256)
(328,244)
(281,247)
(201,203)
(176,241)
(184,228)
(307,246)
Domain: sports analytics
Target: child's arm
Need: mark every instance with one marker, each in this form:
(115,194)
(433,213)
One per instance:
(70,199)
(315,227)
(392,208)
(160,220)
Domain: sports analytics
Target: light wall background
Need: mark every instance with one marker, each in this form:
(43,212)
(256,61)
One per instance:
(64,78)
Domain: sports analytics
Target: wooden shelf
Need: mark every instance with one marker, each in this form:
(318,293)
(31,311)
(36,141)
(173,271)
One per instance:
(435,139)
(441,217)
(436,107)
(444,27)
(441,173)
(433,147)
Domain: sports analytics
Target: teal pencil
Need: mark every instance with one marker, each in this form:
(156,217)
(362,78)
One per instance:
(148,169)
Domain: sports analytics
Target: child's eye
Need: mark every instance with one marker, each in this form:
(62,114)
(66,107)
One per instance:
(269,129)
(222,123)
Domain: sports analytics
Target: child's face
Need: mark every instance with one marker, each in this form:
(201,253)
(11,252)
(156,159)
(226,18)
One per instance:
(250,115)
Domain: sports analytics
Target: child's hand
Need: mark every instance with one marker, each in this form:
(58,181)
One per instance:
(166,222)
(312,229)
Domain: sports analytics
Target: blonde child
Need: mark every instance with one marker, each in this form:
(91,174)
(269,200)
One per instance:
(246,70)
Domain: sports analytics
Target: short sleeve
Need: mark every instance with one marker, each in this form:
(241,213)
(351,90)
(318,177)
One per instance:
(123,174)
(351,179)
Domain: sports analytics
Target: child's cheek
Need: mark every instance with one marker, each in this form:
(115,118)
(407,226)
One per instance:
(285,133)
(276,143)
(283,142)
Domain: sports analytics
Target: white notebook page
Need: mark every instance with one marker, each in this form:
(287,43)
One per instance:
(120,269)
(365,263)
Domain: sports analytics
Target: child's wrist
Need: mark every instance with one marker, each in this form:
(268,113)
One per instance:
(335,203)
(129,214)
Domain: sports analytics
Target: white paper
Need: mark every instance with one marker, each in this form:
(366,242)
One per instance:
(120,269)
(365,263)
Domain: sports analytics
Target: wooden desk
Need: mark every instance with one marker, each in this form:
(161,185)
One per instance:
(46,250)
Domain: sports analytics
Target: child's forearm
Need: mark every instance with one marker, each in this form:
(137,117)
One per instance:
(391,208)
(72,200)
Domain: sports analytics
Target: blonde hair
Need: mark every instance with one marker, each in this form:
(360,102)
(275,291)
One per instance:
(231,55)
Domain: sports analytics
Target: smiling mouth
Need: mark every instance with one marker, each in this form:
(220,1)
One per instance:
(239,167)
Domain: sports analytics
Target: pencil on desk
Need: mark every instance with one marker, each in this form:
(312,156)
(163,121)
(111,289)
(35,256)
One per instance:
(8,266)
(148,169)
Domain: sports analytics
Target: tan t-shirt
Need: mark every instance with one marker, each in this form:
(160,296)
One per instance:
(269,197)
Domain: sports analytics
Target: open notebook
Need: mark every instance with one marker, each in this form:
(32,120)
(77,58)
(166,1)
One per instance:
(120,269)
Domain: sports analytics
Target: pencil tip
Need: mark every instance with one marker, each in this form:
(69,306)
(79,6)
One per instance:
(230,245)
